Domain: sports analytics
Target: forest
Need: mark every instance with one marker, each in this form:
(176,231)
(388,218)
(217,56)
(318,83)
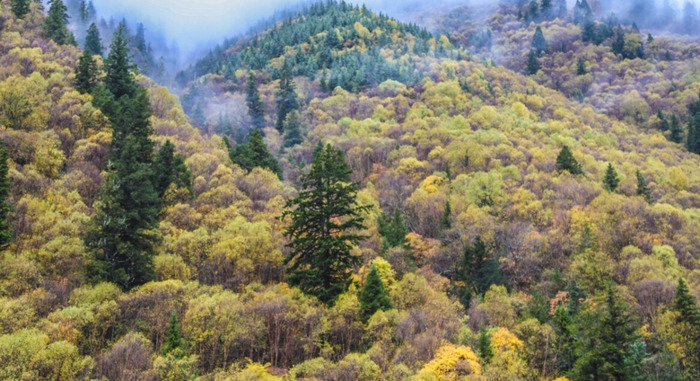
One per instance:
(499,192)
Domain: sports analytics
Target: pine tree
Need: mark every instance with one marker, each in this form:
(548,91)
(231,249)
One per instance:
(581,68)
(539,43)
(256,109)
(611,335)
(582,12)
(611,179)
(567,162)
(325,218)
(643,189)
(663,122)
(292,129)
(393,230)
(476,272)
(254,153)
(565,344)
(93,42)
(693,139)
(286,97)
(547,8)
(86,73)
(373,296)
(20,7)
(676,129)
(446,219)
(173,336)
(170,168)
(484,347)
(5,233)
(118,66)
(533,66)
(55,25)
(688,321)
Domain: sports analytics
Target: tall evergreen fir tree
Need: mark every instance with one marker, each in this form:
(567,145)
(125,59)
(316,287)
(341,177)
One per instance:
(20,7)
(373,296)
(643,189)
(484,348)
(170,168)
(446,219)
(173,335)
(93,41)
(533,66)
(393,230)
(688,324)
(254,153)
(676,129)
(567,162)
(286,97)
(611,179)
(56,24)
(86,73)
(693,139)
(325,218)
(5,233)
(663,121)
(118,66)
(292,129)
(476,272)
(256,109)
(581,68)
(539,43)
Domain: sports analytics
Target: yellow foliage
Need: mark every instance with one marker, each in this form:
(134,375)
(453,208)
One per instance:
(452,363)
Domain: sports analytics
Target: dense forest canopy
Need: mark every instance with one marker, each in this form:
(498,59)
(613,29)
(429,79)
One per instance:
(344,196)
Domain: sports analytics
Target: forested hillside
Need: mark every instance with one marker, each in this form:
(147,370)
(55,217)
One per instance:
(351,198)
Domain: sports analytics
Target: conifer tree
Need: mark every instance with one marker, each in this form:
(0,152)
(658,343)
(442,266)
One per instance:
(581,68)
(676,129)
(393,230)
(173,338)
(693,139)
(476,272)
(484,347)
(254,153)
(663,122)
(5,233)
(292,129)
(567,162)
(611,179)
(325,219)
(446,219)
(86,73)
(93,42)
(118,66)
(533,66)
(373,296)
(643,189)
(55,25)
(688,322)
(546,8)
(256,109)
(170,168)
(286,97)
(20,7)
(539,43)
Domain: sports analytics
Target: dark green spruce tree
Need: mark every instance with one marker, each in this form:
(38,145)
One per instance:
(643,188)
(475,273)
(173,338)
(581,68)
(118,66)
(325,218)
(56,24)
(446,219)
(676,129)
(20,7)
(533,65)
(170,168)
(373,296)
(256,109)
(254,153)
(293,129)
(393,230)
(567,162)
(539,43)
(123,231)
(688,322)
(86,73)
(286,97)
(5,232)
(484,348)
(663,121)
(93,41)
(693,139)
(611,179)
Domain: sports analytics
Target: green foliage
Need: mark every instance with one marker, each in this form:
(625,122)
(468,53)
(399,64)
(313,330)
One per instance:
(5,230)
(611,179)
(581,68)
(643,189)
(693,140)
(292,128)
(483,346)
(20,7)
(567,162)
(373,296)
(446,219)
(539,43)
(476,272)
(393,230)
(688,322)
(86,73)
(118,66)
(325,217)
(55,25)
(255,154)
(533,65)
(676,129)
(93,42)
(256,109)
(286,98)
(173,339)
(170,168)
